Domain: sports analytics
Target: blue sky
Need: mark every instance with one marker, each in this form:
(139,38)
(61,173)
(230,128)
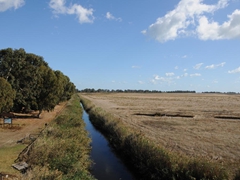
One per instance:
(134,44)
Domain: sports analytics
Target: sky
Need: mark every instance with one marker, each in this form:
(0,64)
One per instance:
(135,44)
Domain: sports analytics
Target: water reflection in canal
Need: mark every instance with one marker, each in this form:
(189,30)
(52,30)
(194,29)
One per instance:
(107,166)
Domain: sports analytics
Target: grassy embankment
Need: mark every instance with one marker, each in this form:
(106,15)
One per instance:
(62,150)
(149,160)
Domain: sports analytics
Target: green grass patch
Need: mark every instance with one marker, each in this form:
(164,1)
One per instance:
(149,160)
(7,157)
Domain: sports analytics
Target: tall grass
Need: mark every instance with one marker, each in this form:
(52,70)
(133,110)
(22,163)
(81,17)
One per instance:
(62,150)
(149,160)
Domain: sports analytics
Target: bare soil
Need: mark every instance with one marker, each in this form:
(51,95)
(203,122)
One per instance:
(23,127)
(20,129)
(196,125)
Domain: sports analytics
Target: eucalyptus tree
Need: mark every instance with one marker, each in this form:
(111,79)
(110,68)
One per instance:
(7,95)
(20,69)
(47,94)
(37,86)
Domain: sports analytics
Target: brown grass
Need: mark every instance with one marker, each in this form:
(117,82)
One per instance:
(188,124)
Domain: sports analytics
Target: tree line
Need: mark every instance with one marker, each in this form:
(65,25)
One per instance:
(28,83)
(92,90)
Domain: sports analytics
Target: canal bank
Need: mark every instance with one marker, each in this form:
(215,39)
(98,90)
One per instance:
(147,159)
(106,164)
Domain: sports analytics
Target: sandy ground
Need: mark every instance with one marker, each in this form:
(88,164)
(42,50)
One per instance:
(26,126)
(183,123)
(22,128)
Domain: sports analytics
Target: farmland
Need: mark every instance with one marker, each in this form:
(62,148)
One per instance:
(205,126)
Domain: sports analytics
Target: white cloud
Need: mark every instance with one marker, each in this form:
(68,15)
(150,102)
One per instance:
(186,15)
(111,17)
(198,66)
(213,66)
(170,74)
(140,82)
(213,31)
(184,70)
(157,78)
(176,67)
(8,4)
(194,75)
(136,67)
(234,71)
(185,56)
(84,15)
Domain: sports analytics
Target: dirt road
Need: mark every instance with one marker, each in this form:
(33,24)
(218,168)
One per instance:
(27,126)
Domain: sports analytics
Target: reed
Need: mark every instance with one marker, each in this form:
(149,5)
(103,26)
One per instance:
(62,150)
(149,160)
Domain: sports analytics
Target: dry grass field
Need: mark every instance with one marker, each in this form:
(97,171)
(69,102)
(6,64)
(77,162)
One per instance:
(196,125)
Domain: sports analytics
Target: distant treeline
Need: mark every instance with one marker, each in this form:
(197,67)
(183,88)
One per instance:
(28,83)
(92,90)
(215,92)
(89,90)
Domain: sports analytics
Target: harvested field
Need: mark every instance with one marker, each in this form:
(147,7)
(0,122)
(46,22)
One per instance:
(196,125)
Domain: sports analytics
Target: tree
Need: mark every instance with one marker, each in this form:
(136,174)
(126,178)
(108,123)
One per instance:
(37,86)
(47,95)
(7,95)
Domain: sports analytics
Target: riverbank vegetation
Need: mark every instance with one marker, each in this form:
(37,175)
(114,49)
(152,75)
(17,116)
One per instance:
(148,159)
(62,149)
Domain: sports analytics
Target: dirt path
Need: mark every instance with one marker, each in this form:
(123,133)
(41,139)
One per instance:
(9,137)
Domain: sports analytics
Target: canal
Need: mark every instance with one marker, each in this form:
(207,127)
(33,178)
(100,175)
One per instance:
(106,164)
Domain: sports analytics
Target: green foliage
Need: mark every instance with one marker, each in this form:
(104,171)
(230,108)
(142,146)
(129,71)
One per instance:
(7,95)
(37,86)
(64,146)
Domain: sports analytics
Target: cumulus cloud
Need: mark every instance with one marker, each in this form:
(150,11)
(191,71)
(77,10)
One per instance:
(189,18)
(136,67)
(170,74)
(213,66)
(8,4)
(194,75)
(234,71)
(213,31)
(84,15)
(198,66)
(111,17)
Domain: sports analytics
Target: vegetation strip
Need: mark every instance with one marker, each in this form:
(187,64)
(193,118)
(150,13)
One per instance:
(62,150)
(149,160)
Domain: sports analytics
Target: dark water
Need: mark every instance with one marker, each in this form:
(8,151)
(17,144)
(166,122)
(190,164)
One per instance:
(107,166)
